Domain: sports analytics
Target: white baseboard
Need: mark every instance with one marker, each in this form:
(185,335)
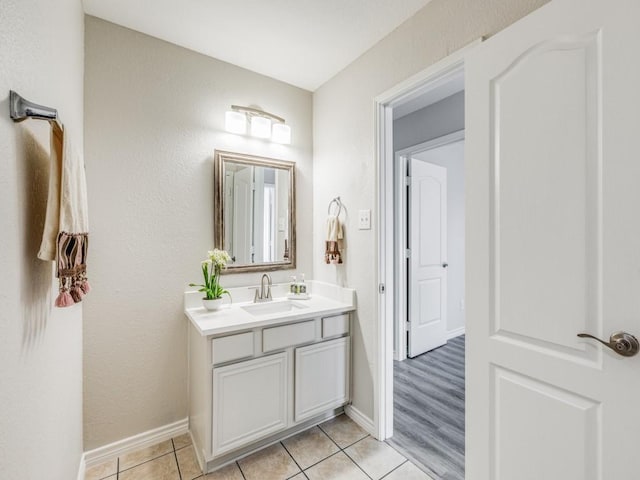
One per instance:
(361,419)
(455,333)
(136,442)
(82,467)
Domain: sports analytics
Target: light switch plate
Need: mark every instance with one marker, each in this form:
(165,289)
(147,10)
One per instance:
(364,220)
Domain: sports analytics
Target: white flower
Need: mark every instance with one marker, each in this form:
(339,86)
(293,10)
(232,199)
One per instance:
(219,258)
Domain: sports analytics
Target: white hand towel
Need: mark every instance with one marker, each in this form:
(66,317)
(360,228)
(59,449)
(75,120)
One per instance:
(333,243)
(334,229)
(65,237)
(52,219)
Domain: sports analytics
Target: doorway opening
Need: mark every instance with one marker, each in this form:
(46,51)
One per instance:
(429,353)
(429,224)
(421,165)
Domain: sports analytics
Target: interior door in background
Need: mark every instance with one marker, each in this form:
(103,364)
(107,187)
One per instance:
(428,258)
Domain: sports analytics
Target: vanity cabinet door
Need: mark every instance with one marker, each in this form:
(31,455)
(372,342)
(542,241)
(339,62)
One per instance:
(249,401)
(321,377)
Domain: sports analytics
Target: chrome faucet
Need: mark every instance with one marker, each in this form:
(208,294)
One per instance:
(263,296)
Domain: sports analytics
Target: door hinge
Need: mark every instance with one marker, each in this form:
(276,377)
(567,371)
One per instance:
(407,181)
(381,288)
(406,325)
(407,253)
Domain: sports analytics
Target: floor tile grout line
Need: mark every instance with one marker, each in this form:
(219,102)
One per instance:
(320,461)
(396,450)
(393,470)
(352,444)
(294,460)
(431,474)
(329,437)
(356,464)
(240,468)
(175,456)
(142,463)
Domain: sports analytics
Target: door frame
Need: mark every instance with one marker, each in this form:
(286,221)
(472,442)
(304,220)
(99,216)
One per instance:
(433,76)
(401,209)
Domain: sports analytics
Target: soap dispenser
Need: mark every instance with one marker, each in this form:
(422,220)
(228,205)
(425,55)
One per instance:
(293,288)
(302,287)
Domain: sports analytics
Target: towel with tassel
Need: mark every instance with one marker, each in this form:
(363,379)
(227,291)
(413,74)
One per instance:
(65,239)
(333,243)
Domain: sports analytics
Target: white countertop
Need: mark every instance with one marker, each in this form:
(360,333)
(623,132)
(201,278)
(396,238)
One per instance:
(325,300)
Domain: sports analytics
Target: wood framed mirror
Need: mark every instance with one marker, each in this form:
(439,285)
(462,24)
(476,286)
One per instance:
(254,211)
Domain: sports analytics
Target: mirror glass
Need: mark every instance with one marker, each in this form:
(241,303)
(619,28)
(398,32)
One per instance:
(255,211)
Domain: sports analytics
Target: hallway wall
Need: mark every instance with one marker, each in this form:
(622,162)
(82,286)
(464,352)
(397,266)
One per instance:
(433,121)
(41,57)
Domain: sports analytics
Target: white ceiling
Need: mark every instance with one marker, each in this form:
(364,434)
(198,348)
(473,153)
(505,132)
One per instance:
(301,42)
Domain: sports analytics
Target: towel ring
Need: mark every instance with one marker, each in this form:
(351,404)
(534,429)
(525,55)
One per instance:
(338,203)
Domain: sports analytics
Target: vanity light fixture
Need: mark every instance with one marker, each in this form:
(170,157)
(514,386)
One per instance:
(260,124)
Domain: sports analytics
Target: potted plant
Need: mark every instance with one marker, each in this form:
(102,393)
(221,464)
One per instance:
(211,268)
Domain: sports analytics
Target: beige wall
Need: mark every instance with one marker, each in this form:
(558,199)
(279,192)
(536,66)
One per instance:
(344,156)
(154,115)
(40,346)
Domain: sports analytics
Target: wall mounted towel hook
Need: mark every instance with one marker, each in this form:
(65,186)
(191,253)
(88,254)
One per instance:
(338,203)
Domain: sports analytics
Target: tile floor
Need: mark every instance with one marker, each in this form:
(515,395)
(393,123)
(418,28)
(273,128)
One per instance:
(335,450)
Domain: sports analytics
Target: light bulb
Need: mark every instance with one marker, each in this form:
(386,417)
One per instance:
(235,122)
(260,127)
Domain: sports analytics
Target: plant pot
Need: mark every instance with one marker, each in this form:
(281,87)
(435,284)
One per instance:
(213,304)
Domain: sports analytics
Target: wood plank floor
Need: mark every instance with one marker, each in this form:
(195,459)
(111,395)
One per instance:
(428,416)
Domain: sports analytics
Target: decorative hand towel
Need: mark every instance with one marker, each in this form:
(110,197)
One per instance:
(65,238)
(334,240)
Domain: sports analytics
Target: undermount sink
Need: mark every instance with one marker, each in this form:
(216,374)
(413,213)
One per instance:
(269,308)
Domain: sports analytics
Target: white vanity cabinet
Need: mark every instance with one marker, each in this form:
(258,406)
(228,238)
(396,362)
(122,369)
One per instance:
(250,401)
(250,387)
(321,377)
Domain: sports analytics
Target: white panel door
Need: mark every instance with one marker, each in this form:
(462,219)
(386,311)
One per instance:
(321,378)
(553,245)
(249,401)
(242,216)
(257,212)
(428,259)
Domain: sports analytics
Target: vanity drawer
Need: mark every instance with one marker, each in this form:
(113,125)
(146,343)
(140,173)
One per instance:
(232,347)
(275,338)
(336,325)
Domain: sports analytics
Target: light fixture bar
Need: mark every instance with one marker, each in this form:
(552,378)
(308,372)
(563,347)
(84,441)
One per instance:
(257,123)
(258,112)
